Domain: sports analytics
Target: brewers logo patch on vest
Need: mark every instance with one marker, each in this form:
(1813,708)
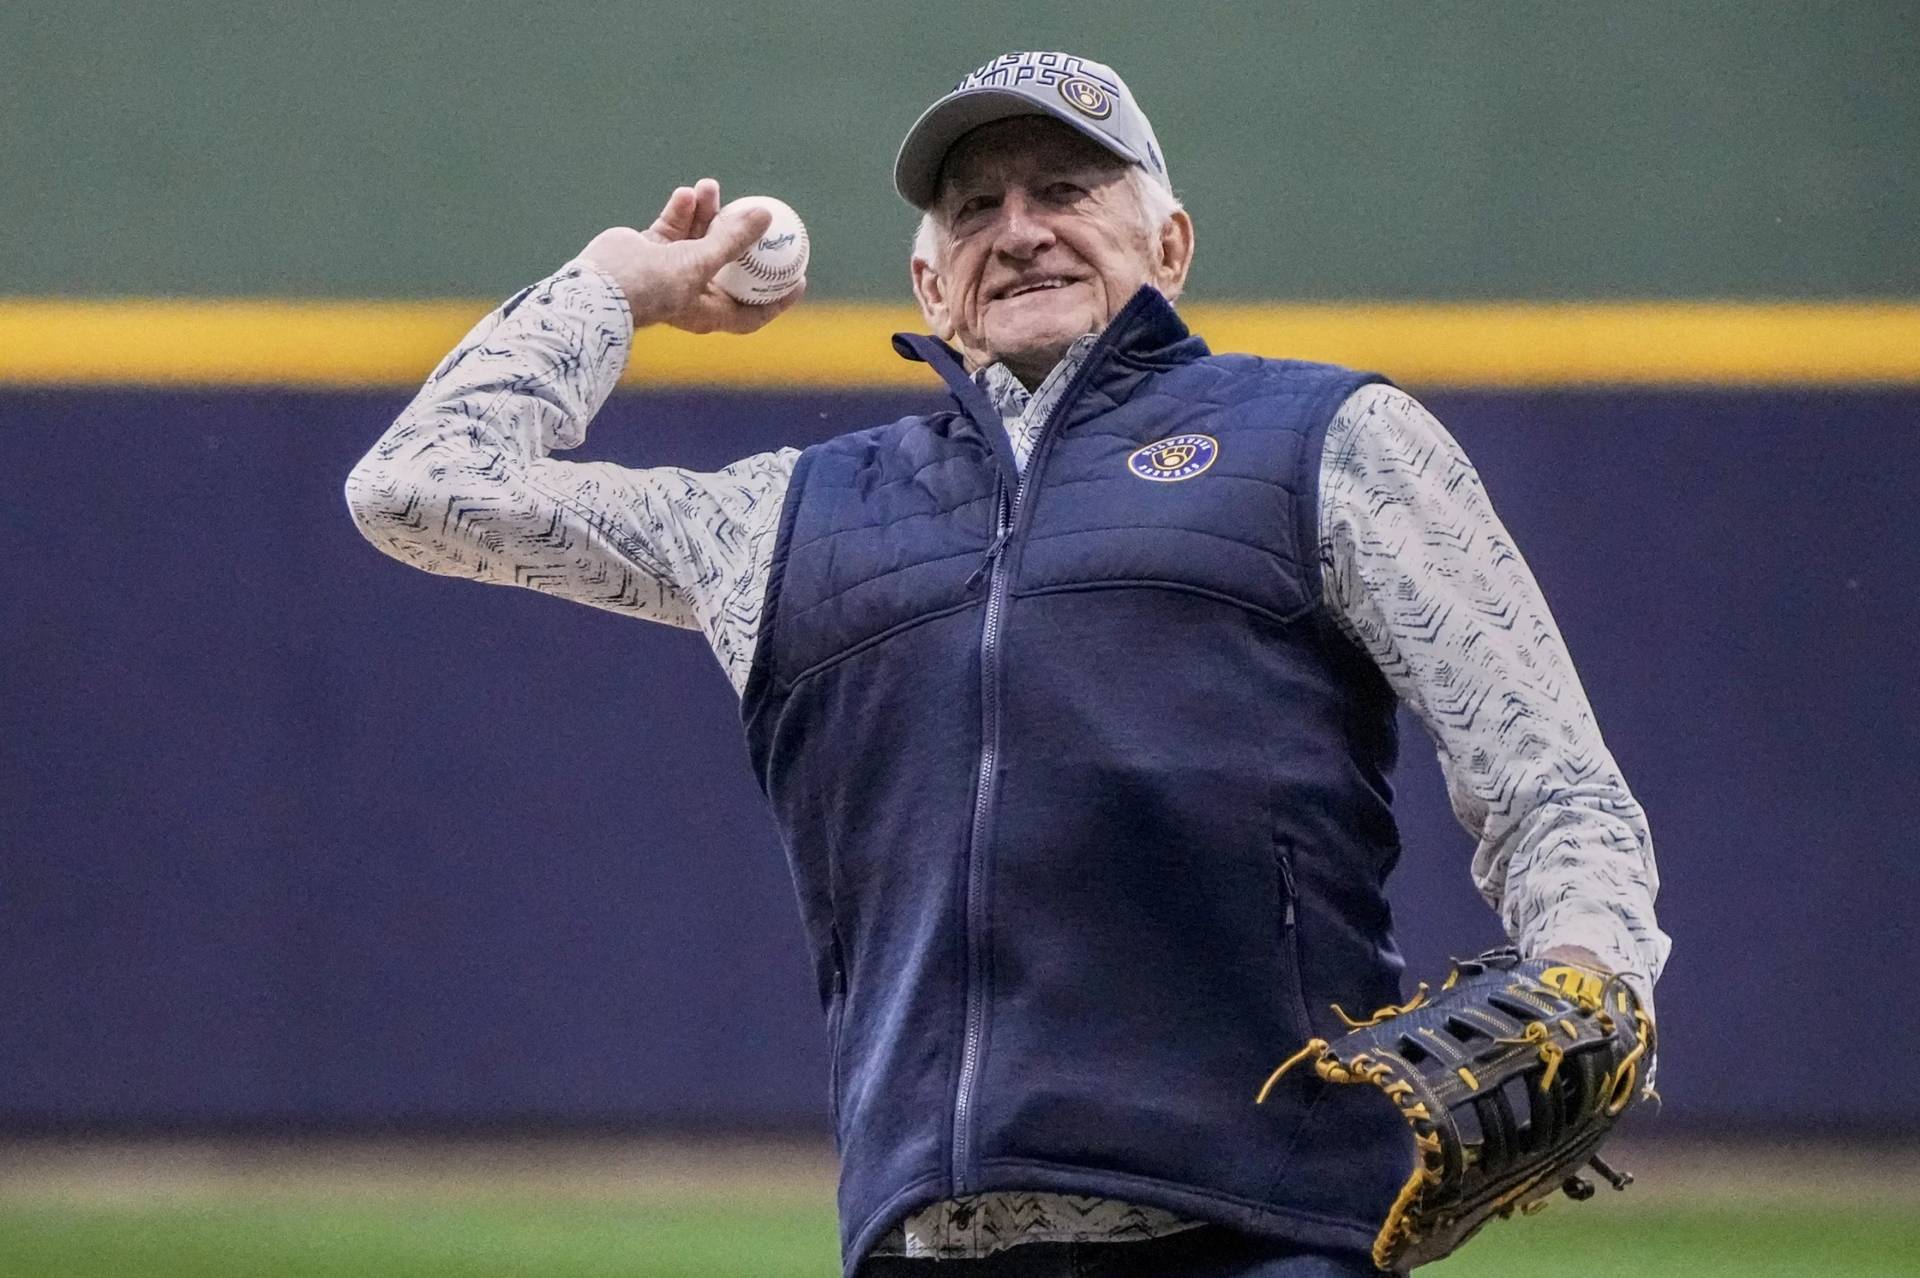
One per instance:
(1174,458)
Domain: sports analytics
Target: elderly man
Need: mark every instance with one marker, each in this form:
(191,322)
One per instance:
(1074,702)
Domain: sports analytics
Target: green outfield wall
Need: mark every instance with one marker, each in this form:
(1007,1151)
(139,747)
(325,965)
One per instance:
(1330,150)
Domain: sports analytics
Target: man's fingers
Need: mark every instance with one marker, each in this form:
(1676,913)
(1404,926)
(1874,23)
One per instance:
(676,217)
(751,319)
(667,270)
(706,204)
(715,312)
(730,235)
(773,310)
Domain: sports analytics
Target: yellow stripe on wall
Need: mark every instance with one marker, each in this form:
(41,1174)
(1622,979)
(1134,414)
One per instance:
(395,344)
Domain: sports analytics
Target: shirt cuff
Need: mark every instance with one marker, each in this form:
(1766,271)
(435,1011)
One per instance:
(594,282)
(1607,935)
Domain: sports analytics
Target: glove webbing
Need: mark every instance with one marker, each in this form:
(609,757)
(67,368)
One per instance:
(1398,1232)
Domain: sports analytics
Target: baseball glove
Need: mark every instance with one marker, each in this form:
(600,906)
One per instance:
(1510,1075)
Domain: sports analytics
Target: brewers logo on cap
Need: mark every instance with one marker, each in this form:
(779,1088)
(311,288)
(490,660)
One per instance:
(1174,458)
(1087,97)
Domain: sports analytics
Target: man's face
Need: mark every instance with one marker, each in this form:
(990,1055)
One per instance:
(1045,241)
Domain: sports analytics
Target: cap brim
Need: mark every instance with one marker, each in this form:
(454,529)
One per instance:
(916,169)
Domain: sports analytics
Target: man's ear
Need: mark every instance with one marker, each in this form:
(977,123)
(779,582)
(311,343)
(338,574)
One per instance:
(1173,255)
(930,290)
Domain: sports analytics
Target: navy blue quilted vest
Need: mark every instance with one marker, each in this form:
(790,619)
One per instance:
(1086,799)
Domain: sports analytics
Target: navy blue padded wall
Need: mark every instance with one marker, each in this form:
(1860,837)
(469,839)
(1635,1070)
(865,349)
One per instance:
(291,833)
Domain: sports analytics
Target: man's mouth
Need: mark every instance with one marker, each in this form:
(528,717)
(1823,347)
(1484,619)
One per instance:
(1039,284)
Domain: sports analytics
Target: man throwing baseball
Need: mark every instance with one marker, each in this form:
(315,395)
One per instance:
(1074,701)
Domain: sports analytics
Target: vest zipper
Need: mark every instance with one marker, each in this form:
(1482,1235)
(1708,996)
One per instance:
(1007,523)
(998,544)
(982,802)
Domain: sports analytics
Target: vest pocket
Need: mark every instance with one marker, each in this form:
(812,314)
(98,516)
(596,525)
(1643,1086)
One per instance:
(836,1012)
(1292,988)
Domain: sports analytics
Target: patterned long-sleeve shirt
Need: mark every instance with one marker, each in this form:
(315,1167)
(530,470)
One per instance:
(1417,570)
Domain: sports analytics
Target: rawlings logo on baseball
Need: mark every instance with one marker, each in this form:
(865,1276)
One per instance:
(775,266)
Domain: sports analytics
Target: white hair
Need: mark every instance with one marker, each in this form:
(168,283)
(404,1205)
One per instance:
(1157,204)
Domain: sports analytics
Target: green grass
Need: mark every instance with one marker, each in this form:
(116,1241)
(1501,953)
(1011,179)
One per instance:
(411,1241)
(402,1240)
(1722,1241)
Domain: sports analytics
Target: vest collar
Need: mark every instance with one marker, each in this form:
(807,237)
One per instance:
(1147,333)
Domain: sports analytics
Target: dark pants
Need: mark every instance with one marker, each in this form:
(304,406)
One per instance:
(1206,1252)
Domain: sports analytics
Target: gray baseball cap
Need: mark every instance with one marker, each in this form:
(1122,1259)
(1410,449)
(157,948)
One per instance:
(1088,96)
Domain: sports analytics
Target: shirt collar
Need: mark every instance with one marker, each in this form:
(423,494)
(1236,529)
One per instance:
(1012,399)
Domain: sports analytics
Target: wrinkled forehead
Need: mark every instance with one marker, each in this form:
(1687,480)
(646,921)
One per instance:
(1020,150)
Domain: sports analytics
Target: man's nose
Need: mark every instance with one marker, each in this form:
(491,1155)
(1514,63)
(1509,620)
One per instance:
(1024,230)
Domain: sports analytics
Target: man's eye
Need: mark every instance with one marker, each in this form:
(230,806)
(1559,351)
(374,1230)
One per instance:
(973,204)
(1065,191)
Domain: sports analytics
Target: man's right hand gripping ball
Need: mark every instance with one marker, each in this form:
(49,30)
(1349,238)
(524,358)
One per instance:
(667,270)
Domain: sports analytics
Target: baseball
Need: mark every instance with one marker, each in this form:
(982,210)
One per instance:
(772,268)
